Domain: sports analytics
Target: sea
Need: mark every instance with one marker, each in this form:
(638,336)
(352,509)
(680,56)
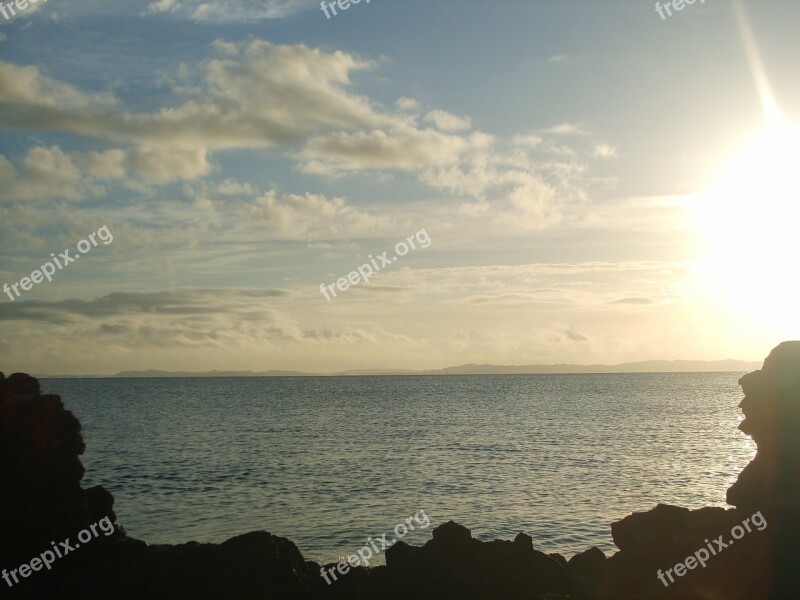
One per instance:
(330,462)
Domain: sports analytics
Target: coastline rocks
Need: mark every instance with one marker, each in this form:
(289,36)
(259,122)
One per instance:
(585,569)
(653,542)
(454,565)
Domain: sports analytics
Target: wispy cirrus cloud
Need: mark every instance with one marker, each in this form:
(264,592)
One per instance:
(230,10)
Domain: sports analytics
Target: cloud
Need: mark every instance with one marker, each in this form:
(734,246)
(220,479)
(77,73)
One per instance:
(568,310)
(573,335)
(111,164)
(183,318)
(530,141)
(446,121)
(402,147)
(633,301)
(231,187)
(407,104)
(184,302)
(256,94)
(27,89)
(605,151)
(311,216)
(247,95)
(658,214)
(159,164)
(45,173)
(230,10)
(263,95)
(517,185)
(566,129)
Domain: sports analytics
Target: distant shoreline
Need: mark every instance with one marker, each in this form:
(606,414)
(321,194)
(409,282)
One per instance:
(676,366)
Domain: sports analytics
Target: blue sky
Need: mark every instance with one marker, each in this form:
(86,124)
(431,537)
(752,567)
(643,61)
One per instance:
(562,157)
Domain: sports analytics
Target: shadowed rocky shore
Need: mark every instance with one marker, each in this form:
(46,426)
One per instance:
(748,552)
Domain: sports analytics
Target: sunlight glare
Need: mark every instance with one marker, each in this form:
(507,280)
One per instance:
(749,219)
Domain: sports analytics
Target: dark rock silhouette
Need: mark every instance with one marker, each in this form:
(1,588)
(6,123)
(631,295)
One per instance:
(585,569)
(455,565)
(771,407)
(41,499)
(40,446)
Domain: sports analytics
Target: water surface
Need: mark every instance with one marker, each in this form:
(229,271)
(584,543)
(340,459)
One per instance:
(329,461)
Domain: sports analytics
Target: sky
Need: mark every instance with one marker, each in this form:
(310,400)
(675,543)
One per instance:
(581,181)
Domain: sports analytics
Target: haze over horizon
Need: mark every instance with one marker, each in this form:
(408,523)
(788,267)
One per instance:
(654,366)
(599,185)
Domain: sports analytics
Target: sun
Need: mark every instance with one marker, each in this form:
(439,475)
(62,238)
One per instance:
(750,224)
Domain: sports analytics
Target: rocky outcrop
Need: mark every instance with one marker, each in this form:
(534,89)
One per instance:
(40,469)
(455,565)
(771,408)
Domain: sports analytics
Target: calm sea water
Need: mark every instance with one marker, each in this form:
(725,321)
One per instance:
(329,461)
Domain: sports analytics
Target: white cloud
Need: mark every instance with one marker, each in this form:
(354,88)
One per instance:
(512,189)
(231,187)
(230,10)
(407,104)
(160,164)
(605,151)
(111,164)
(257,94)
(446,121)
(311,216)
(265,95)
(28,88)
(45,173)
(400,147)
(566,129)
(530,141)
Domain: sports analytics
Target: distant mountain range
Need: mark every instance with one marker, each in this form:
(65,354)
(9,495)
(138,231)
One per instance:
(651,366)
(213,374)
